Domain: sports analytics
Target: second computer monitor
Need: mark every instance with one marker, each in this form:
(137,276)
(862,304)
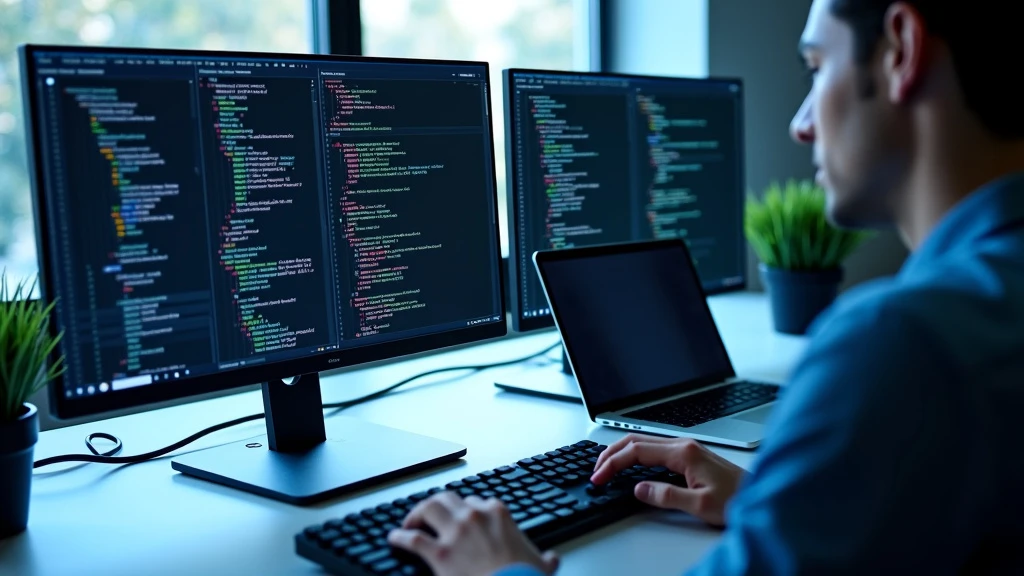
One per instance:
(604,158)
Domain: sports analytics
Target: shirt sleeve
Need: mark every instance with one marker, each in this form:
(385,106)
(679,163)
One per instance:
(856,474)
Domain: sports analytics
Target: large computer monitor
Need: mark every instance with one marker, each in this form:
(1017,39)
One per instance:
(598,158)
(208,220)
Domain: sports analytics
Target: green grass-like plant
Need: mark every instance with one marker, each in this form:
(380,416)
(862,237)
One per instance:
(788,229)
(25,347)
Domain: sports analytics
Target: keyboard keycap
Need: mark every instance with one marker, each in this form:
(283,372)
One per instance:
(536,521)
(385,565)
(339,545)
(359,550)
(375,556)
(328,536)
(549,495)
(563,512)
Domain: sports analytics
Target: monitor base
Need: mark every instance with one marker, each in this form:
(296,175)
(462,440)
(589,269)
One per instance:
(304,459)
(356,454)
(546,381)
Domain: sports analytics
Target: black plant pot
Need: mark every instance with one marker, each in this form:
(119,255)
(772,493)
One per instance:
(17,440)
(798,297)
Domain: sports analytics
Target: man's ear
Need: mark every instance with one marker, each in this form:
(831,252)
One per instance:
(904,51)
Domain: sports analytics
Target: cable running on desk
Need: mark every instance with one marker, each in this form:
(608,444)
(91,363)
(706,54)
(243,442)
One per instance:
(109,457)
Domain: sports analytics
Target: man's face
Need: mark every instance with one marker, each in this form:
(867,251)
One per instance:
(856,136)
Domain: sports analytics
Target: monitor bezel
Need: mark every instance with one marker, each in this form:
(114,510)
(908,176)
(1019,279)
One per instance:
(143,396)
(516,269)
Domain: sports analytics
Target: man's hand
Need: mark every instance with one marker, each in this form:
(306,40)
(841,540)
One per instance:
(474,537)
(711,480)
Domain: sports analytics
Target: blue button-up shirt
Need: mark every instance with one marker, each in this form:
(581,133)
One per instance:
(896,446)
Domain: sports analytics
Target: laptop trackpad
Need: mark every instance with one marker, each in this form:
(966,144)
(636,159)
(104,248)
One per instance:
(757,415)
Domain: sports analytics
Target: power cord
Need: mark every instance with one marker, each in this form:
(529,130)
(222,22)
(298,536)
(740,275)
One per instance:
(108,456)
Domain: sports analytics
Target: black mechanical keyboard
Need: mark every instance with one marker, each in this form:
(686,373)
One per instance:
(710,405)
(549,495)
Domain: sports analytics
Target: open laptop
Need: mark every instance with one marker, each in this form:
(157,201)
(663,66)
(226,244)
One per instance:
(644,347)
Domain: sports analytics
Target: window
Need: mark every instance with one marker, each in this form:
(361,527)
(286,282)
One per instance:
(523,33)
(263,25)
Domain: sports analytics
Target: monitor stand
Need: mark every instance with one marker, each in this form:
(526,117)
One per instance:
(546,381)
(303,461)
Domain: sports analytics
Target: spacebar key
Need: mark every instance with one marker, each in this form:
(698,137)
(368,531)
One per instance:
(528,525)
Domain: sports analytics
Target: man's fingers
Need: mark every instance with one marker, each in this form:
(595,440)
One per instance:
(414,541)
(643,453)
(551,562)
(436,511)
(664,495)
(626,440)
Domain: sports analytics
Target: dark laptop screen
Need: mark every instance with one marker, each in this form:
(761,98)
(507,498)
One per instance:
(635,322)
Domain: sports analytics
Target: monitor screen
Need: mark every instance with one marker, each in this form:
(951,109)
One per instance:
(604,158)
(208,220)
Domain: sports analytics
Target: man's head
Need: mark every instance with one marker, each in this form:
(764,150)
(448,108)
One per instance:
(895,85)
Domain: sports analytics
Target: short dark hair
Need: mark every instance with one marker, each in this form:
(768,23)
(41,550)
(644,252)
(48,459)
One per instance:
(983,38)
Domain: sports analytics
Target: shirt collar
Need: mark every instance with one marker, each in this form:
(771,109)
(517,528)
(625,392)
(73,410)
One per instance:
(998,204)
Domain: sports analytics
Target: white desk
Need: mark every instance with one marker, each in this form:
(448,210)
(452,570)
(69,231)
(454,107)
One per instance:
(148,519)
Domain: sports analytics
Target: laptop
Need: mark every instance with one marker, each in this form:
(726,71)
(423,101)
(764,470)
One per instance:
(643,346)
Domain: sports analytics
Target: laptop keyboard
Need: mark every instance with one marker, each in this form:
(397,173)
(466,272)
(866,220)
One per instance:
(709,405)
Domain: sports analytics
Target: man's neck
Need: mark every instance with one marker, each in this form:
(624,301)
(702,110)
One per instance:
(948,169)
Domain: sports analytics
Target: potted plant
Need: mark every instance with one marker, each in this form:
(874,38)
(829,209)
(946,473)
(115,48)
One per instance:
(26,346)
(801,253)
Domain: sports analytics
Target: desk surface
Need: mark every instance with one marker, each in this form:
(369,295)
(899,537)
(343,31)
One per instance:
(148,519)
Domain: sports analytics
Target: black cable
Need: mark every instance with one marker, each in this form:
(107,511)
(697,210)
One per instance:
(105,436)
(109,458)
(475,368)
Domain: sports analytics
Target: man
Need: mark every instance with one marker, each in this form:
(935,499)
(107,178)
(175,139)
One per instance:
(895,446)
